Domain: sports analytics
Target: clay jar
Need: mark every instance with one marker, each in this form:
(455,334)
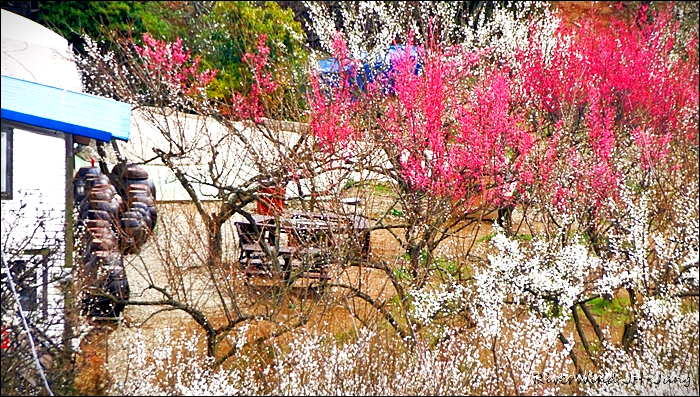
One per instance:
(100,195)
(96,263)
(93,254)
(145,212)
(111,207)
(130,174)
(129,171)
(80,188)
(83,171)
(103,233)
(98,214)
(133,231)
(92,180)
(105,187)
(98,244)
(140,196)
(116,282)
(97,223)
(139,189)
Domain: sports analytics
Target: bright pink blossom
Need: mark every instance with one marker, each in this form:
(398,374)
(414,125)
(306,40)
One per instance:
(250,105)
(171,63)
(612,87)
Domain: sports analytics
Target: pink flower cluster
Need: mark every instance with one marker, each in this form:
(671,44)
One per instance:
(250,105)
(173,64)
(455,146)
(575,114)
(332,108)
(456,141)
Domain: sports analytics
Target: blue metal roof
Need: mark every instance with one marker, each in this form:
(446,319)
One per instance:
(66,111)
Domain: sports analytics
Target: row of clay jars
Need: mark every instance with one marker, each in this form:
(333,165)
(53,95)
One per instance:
(99,206)
(101,198)
(137,221)
(129,209)
(139,199)
(104,271)
(133,218)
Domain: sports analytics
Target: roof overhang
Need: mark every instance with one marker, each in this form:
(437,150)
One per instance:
(66,111)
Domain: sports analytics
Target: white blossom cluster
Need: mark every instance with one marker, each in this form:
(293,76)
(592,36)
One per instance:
(319,364)
(655,263)
(163,364)
(659,268)
(122,76)
(537,276)
(314,364)
(508,31)
(502,33)
(520,302)
(666,360)
(444,299)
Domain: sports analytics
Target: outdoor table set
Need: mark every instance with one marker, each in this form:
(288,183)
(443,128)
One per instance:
(306,243)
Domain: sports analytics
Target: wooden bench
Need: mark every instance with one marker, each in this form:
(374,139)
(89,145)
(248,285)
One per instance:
(312,263)
(253,254)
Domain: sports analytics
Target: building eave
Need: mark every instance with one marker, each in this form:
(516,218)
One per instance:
(71,112)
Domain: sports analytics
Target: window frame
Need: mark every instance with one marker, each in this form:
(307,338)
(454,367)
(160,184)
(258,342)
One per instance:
(30,274)
(7,161)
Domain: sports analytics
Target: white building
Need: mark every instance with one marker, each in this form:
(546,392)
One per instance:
(43,113)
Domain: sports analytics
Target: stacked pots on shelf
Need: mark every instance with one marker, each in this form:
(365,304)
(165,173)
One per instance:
(112,221)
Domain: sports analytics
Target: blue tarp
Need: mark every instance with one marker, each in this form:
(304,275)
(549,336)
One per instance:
(66,111)
(379,68)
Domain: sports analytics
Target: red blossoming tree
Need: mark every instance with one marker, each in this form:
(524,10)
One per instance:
(451,143)
(611,105)
(558,131)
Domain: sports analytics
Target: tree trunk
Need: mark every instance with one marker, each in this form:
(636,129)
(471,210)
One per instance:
(215,247)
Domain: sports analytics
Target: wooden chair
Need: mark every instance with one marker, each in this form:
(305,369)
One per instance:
(252,257)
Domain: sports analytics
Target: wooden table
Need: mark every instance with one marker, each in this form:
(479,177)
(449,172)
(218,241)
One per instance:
(310,242)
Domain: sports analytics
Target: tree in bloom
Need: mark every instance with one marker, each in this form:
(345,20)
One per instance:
(613,110)
(173,66)
(219,155)
(440,127)
(556,127)
(610,104)
(444,130)
(250,105)
(155,74)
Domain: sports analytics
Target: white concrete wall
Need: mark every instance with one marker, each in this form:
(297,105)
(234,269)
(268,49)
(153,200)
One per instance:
(200,136)
(35,216)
